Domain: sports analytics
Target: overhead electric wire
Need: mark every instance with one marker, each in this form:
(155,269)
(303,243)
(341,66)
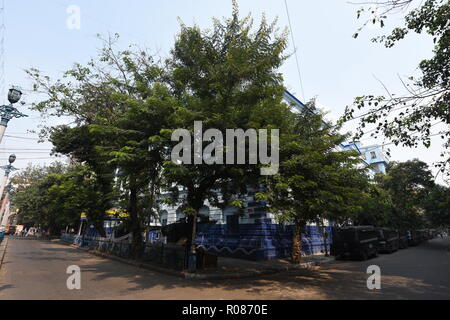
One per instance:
(2,50)
(295,49)
(24,138)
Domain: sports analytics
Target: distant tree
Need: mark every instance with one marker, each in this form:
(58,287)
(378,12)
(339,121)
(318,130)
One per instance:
(409,184)
(377,207)
(55,200)
(32,175)
(409,119)
(437,206)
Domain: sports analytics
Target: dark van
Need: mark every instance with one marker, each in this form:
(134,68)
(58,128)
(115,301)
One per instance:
(414,237)
(355,242)
(423,235)
(388,240)
(403,239)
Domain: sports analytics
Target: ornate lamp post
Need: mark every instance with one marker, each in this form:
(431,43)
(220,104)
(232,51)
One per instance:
(6,204)
(8,169)
(9,112)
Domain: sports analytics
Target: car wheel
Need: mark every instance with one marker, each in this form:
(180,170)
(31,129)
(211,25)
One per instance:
(364,256)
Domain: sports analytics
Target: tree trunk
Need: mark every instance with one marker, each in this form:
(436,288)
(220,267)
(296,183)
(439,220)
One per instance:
(296,246)
(135,223)
(50,231)
(325,240)
(194,231)
(100,229)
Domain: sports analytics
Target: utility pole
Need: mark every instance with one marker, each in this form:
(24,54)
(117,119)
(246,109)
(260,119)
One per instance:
(9,112)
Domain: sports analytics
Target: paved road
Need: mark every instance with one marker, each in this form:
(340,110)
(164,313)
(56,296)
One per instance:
(37,270)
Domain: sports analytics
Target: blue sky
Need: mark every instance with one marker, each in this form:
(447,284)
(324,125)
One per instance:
(335,68)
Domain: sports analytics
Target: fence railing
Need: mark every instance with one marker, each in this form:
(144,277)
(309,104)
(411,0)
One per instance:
(172,256)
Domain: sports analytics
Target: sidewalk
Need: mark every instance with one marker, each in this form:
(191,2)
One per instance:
(3,246)
(228,268)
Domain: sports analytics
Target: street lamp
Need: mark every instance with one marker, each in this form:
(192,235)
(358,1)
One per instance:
(12,158)
(14,95)
(8,169)
(6,203)
(9,112)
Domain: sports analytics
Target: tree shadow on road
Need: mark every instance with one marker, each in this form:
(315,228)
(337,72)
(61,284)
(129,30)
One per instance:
(337,280)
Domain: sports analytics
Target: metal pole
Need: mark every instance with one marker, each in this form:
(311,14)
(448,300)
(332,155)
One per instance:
(3,209)
(3,184)
(7,212)
(2,132)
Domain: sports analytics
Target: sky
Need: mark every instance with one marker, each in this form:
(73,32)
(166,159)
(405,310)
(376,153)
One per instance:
(334,67)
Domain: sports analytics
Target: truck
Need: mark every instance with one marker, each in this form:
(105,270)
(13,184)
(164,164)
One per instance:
(355,242)
(414,238)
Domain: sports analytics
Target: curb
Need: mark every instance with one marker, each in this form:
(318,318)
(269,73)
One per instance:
(3,246)
(199,276)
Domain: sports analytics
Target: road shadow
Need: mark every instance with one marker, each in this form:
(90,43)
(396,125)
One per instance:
(6,286)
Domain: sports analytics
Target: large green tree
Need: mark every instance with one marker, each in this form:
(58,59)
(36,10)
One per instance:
(228,78)
(119,104)
(316,181)
(423,112)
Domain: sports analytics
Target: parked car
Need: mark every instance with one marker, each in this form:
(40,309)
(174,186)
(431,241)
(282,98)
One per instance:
(388,240)
(10,230)
(355,242)
(403,239)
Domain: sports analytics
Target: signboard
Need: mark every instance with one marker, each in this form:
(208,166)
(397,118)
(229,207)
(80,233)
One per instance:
(110,214)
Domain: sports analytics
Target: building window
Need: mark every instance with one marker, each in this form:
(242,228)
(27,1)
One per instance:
(373,155)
